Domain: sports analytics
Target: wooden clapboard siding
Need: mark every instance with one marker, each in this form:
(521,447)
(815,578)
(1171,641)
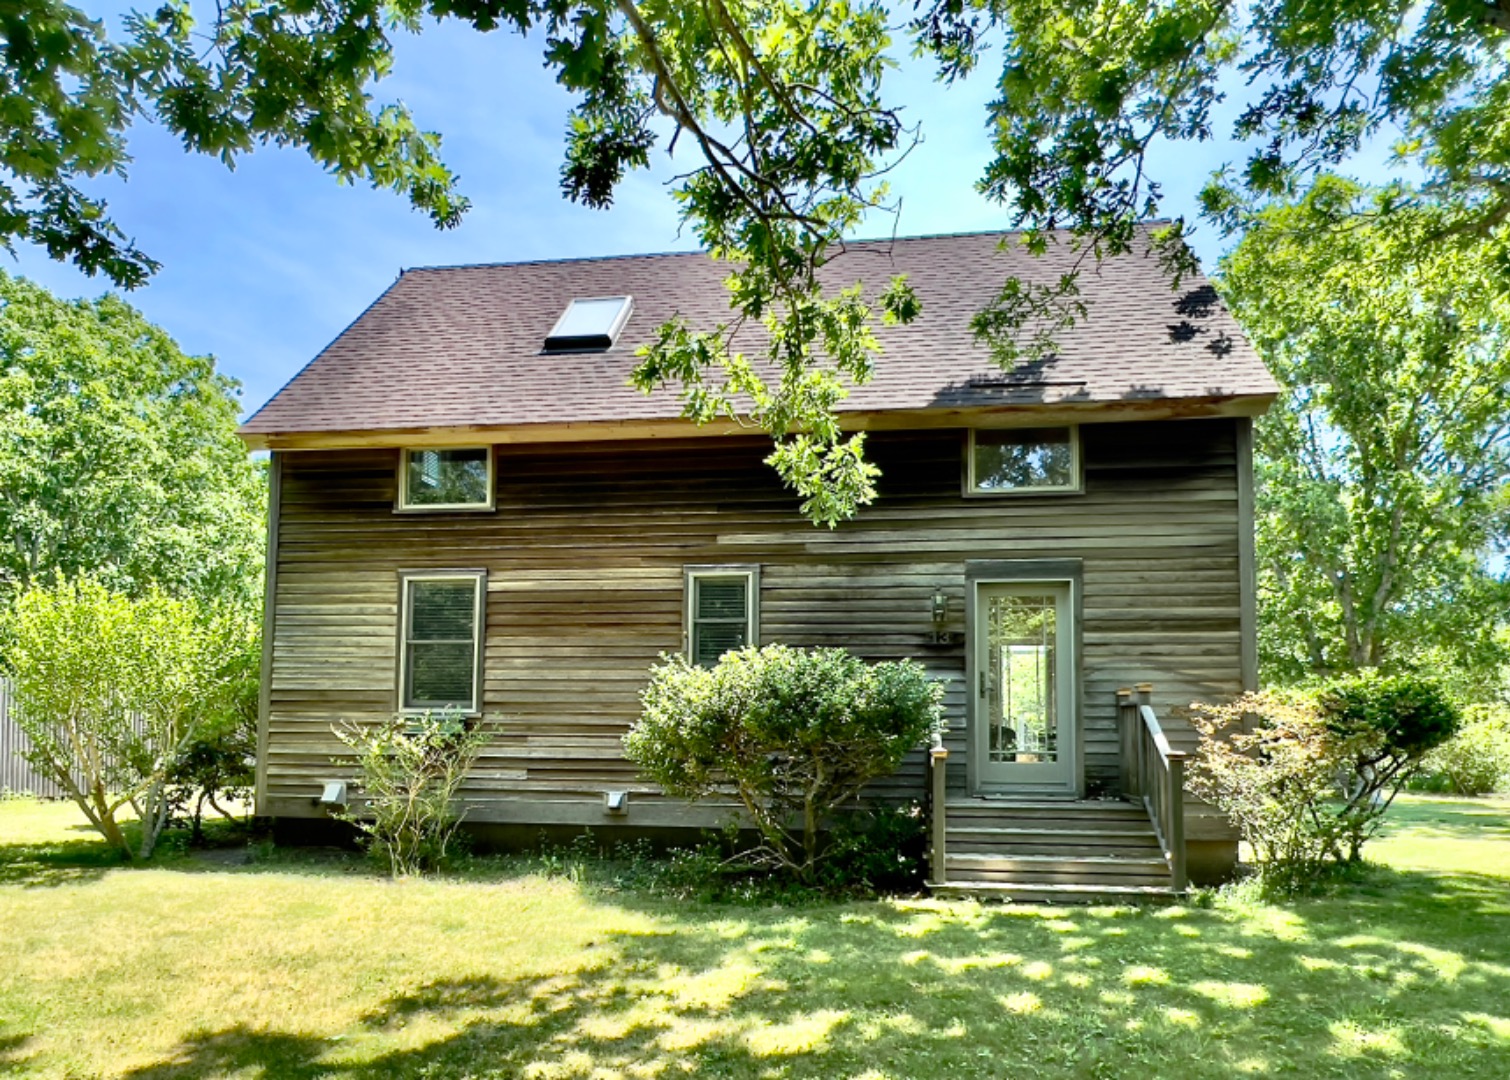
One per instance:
(585,556)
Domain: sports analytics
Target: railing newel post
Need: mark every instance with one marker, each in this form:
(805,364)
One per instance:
(1177,821)
(1127,732)
(938,759)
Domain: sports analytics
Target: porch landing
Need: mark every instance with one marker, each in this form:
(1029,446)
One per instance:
(1055,851)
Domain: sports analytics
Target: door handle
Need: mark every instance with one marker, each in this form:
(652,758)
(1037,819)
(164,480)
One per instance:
(983,683)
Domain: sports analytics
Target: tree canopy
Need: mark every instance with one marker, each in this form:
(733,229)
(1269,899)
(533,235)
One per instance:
(1383,468)
(782,103)
(118,454)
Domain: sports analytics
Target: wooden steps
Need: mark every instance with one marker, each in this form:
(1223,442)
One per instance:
(1057,894)
(1054,851)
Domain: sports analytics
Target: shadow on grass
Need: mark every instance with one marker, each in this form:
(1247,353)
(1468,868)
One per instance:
(1448,818)
(64,862)
(10,1052)
(76,854)
(1410,974)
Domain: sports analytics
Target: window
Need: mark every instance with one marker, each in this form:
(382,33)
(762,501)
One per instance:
(1007,460)
(722,605)
(441,639)
(459,479)
(589,325)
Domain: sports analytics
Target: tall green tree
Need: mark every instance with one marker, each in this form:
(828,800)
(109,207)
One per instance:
(1092,91)
(1383,468)
(118,454)
(781,104)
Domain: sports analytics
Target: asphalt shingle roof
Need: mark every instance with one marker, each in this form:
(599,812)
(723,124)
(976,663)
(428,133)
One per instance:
(459,347)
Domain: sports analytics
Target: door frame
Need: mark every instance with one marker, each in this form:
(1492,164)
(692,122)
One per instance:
(979,572)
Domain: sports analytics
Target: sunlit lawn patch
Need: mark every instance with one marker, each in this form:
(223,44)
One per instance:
(323,969)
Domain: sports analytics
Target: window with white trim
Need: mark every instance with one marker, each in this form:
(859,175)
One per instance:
(1005,461)
(722,611)
(440,654)
(458,478)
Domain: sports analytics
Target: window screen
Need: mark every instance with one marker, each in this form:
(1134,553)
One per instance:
(720,614)
(441,641)
(447,479)
(1023,459)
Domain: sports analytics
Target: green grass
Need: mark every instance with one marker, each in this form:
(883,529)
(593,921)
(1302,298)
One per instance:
(317,968)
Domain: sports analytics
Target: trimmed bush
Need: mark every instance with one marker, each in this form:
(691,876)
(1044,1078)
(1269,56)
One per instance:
(792,734)
(1411,715)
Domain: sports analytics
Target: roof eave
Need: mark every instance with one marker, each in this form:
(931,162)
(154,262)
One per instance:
(1006,414)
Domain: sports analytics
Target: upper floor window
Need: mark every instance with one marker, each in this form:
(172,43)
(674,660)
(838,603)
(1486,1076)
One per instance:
(722,611)
(459,479)
(1003,461)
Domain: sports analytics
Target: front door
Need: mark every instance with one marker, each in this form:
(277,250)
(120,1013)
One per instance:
(1024,715)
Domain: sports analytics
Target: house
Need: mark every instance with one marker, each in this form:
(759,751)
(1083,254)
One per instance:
(471,507)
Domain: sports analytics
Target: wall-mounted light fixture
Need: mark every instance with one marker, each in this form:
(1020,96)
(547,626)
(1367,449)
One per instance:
(616,802)
(940,617)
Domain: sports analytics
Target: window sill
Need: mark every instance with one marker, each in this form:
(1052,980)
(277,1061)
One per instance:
(458,508)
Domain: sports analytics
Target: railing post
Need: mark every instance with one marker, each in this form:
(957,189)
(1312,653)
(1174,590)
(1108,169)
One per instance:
(1127,731)
(938,758)
(1177,821)
(1142,695)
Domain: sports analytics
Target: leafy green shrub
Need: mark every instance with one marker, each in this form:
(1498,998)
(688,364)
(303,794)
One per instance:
(1411,715)
(1475,761)
(877,850)
(112,692)
(1307,776)
(220,764)
(411,768)
(793,734)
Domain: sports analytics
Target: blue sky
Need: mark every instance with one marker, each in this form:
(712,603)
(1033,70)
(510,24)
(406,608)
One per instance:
(264,265)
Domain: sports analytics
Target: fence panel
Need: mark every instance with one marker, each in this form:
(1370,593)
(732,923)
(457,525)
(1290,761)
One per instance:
(16,773)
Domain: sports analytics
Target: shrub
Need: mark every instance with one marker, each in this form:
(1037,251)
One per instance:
(1410,715)
(113,691)
(1475,761)
(220,764)
(793,734)
(1307,776)
(411,768)
(877,850)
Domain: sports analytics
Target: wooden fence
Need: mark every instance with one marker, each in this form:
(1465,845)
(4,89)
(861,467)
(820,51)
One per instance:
(16,776)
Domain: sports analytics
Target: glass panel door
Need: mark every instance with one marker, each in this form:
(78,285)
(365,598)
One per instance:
(1024,708)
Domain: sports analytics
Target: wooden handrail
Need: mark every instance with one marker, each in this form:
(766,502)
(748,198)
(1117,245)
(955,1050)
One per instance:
(1153,773)
(1156,730)
(938,757)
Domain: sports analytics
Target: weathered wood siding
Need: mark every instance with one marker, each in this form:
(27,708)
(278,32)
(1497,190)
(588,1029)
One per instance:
(585,557)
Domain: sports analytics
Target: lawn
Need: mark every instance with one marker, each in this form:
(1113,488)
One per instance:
(305,968)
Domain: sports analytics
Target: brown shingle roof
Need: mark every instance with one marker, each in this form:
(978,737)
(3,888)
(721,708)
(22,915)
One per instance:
(461,347)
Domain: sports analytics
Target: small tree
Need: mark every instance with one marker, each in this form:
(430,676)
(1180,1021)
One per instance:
(412,768)
(112,691)
(792,733)
(1306,776)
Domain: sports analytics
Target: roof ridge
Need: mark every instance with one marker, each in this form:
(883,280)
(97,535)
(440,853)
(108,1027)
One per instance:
(858,241)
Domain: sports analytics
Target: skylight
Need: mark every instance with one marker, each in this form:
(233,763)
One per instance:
(589,324)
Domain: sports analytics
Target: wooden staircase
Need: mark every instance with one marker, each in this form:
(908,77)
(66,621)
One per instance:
(1059,851)
(1067,850)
